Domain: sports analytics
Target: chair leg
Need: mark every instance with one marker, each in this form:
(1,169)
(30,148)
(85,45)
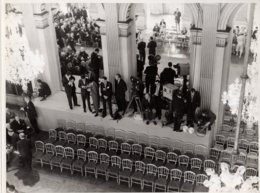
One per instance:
(129,183)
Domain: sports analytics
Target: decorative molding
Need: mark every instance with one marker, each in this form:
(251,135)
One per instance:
(41,20)
(196,36)
(125,28)
(102,24)
(222,38)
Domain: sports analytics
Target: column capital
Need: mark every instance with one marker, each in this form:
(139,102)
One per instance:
(222,38)
(196,36)
(125,28)
(102,25)
(40,14)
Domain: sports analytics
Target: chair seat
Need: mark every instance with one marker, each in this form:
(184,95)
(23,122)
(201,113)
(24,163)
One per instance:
(182,168)
(90,149)
(102,167)
(124,156)
(52,141)
(174,184)
(170,166)
(90,165)
(178,152)
(159,163)
(125,173)
(147,160)
(37,155)
(135,157)
(62,143)
(196,171)
(72,145)
(67,161)
(190,155)
(187,187)
(149,178)
(137,175)
(109,138)
(101,150)
(161,182)
(110,153)
(78,164)
(113,170)
(80,147)
(47,157)
(202,157)
(201,188)
(56,159)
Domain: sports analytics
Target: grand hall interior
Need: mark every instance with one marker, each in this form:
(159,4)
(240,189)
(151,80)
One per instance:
(131,97)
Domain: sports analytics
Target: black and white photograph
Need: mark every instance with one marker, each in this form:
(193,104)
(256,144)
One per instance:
(149,96)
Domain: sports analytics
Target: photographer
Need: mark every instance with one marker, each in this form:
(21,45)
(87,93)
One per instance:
(148,104)
(204,119)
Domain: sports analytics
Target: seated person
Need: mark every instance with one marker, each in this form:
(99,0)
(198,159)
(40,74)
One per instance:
(148,104)
(18,125)
(184,31)
(204,119)
(44,90)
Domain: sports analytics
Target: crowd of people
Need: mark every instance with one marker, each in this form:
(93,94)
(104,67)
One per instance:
(75,28)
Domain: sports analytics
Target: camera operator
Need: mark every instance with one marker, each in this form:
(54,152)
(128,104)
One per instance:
(204,119)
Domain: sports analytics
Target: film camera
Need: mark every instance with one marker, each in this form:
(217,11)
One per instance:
(136,86)
(153,60)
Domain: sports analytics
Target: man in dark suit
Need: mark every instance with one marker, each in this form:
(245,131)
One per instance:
(106,96)
(193,102)
(178,109)
(148,104)
(168,75)
(95,63)
(44,90)
(69,85)
(150,77)
(18,125)
(152,47)
(140,67)
(141,47)
(120,89)
(24,147)
(85,94)
(31,113)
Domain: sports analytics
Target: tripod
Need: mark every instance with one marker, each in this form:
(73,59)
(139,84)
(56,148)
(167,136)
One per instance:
(137,101)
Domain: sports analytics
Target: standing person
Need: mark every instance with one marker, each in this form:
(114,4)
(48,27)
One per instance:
(151,72)
(68,83)
(241,40)
(24,148)
(31,113)
(152,47)
(177,15)
(106,95)
(141,47)
(95,63)
(120,89)
(178,108)
(140,67)
(85,94)
(44,90)
(148,104)
(157,98)
(168,75)
(193,102)
(94,92)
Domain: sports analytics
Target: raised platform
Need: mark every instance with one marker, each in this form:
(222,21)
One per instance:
(56,107)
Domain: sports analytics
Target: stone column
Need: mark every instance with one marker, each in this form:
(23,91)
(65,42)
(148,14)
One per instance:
(195,58)
(210,21)
(47,45)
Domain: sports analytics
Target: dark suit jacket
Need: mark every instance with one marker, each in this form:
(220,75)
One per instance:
(120,88)
(30,110)
(167,76)
(95,62)
(141,46)
(151,45)
(15,126)
(24,147)
(106,91)
(81,83)
(196,100)
(151,72)
(45,89)
(68,89)
(148,105)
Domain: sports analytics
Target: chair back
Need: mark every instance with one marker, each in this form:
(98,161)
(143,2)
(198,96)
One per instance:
(184,160)
(93,142)
(143,139)
(175,174)
(253,147)
(52,134)
(163,172)
(59,150)
(230,142)
(89,128)
(151,169)
(200,178)
(172,158)
(214,153)
(71,137)
(160,155)
(104,158)
(61,123)
(196,163)
(140,166)
(113,145)
(50,148)
(120,134)
(126,148)
(240,158)
(188,148)
(39,146)
(166,142)
(243,145)
(127,164)
(132,137)
(149,152)
(92,156)
(62,136)
(250,172)
(110,132)
(69,152)
(116,161)
(80,127)
(137,149)
(226,156)
(154,141)
(201,150)
(209,164)
(81,139)
(102,144)
(177,145)
(82,154)
(220,140)
(71,125)
(189,176)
